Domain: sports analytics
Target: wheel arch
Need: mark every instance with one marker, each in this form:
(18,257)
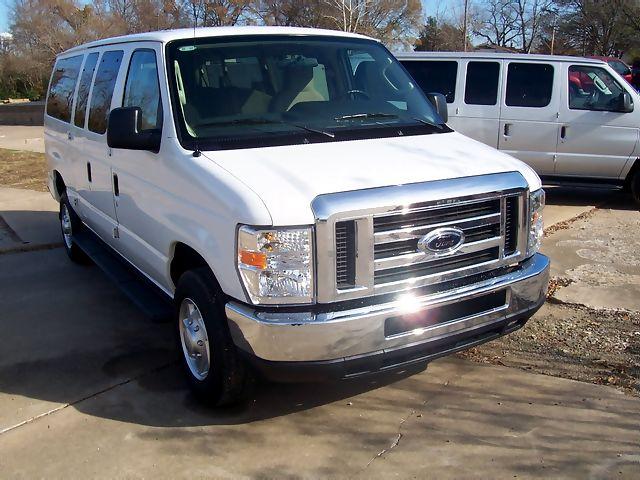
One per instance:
(58,184)
(632,171)
(186,258)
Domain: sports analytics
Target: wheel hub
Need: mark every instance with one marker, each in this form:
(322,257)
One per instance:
(194,339)
(65,221)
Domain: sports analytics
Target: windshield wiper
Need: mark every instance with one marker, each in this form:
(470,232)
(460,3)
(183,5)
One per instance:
(427,123)
(264,121)
(355,116)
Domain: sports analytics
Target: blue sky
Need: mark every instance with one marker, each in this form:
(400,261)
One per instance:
(430,7)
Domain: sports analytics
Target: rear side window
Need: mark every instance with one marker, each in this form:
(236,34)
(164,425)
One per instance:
(102,92)
(63,85)
(481,87)
(529,84)
(435,77)
(142,88)
(83,89)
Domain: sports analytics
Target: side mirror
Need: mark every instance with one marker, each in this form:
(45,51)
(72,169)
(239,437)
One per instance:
(439,101)
(123,131)
(626,103)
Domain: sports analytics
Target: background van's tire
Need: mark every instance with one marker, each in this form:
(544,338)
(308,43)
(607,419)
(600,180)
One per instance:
(216,373)
(634,186)
(70,224)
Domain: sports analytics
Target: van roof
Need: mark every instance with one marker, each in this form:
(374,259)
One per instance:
(165,36)
(493,55)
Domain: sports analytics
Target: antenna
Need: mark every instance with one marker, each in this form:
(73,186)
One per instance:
(197,152)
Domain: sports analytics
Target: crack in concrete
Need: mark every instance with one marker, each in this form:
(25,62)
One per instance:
(396,441)
(87,397)
(26,247)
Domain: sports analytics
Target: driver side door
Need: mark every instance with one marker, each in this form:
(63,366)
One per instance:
(595,140)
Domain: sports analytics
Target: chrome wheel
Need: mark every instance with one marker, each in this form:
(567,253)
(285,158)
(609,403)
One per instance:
(65,221)
(194,339)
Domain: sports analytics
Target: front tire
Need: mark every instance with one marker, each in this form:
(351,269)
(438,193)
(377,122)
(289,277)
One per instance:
(70,223)
(216,373)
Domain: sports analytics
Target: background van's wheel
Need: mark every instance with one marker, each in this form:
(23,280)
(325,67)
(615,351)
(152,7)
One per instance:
(70,223)
(216,373)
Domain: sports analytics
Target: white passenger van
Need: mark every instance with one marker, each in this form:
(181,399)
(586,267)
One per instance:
(572,119)
(290,200)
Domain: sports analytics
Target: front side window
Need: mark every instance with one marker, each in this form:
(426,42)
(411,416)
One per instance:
(481,87)
(62,87)
(277,90)
(593,88)
(435,76)
(142,88)
(102,92)
(83,89)
(529,84)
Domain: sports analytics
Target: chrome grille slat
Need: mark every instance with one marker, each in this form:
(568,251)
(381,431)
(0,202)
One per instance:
(417,232)
(420,258)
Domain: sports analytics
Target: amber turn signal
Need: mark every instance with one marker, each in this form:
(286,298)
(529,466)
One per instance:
(254,259)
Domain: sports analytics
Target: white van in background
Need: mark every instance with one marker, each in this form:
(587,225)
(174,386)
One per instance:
(572,119)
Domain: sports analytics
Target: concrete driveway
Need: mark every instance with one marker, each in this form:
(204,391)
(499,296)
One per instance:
(30,138)
(91,388)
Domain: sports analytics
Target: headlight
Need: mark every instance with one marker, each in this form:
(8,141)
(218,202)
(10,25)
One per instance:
(536,225)
(276,265)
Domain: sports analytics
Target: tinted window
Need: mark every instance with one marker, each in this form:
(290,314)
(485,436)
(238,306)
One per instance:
(529,84)
(435,77)
(593,88)
(142,88)
(482,83)
(83,89)
(63,84)
(102,92)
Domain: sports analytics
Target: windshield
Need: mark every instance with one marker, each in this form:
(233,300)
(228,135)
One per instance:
(237,93)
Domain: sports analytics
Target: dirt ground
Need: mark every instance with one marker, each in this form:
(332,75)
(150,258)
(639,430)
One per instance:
(19,169)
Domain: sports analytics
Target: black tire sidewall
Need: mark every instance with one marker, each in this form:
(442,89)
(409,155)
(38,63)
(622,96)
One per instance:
(224,382)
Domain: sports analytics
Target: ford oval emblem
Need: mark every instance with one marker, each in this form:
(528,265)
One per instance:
(441,241)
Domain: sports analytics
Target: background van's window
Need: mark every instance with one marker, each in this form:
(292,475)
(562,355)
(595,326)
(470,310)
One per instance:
(83,89)
(102,92)
(593,88)
(481,87)
(435,77)
(142,88)
(529,84)
(63,85)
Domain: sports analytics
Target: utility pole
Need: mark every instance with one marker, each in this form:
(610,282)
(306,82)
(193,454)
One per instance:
(464,28)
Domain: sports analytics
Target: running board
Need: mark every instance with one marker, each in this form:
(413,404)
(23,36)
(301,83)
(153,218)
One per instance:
(155,303)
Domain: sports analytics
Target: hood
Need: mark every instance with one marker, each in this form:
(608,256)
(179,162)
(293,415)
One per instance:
(288,178)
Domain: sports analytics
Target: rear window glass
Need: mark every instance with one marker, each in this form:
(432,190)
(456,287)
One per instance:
(529,84)
(481,87)
(435,77)
(63,85)
(83,89)
(102,92)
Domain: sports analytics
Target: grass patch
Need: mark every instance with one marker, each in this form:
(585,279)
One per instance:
(19,169)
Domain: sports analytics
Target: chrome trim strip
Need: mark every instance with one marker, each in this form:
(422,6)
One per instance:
(407,259)
(417,232)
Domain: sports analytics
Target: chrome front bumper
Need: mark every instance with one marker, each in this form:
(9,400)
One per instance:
(304,336)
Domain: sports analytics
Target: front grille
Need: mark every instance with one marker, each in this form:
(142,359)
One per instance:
(490,227)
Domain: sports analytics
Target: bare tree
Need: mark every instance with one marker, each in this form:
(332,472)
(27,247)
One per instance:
(497,23)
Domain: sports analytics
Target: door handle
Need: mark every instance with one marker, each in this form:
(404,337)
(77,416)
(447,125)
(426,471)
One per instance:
(89,171)
(116,187)
(69,135)
(563,132)
(507,129)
